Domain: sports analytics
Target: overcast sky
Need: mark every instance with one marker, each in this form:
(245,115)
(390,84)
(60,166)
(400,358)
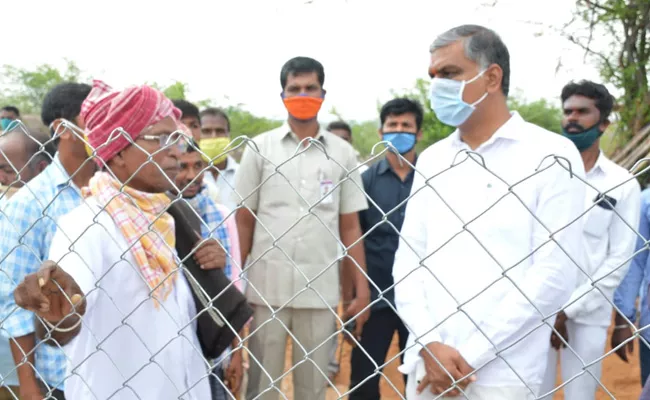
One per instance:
(232,51)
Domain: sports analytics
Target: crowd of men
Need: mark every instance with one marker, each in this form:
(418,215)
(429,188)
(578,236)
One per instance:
(495,254)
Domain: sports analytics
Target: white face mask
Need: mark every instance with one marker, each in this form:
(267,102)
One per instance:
(446,98)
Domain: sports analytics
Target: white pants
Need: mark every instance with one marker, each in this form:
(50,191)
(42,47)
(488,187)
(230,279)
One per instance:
(473,392)
(588,342)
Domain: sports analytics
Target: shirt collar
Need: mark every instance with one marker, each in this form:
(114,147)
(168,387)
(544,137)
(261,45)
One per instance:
(231,165)
(285,132)
(600,165)
(384,165)
(59,175)
(511,130)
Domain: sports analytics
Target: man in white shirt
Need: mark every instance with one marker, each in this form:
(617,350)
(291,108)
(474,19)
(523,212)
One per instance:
(612,204)
(489,237)
(126,316)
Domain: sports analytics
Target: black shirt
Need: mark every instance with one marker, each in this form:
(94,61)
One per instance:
(387,191)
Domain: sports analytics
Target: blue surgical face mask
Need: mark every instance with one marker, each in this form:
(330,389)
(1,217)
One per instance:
(447,102)
(402,141)
(583,140)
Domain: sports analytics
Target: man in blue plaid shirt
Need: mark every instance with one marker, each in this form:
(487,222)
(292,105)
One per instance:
(26,231)
(228,369)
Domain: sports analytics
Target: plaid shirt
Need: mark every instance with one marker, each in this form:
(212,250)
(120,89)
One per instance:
(212,224)
(26,230)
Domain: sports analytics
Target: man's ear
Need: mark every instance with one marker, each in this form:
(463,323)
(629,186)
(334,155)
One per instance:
(58,130)
(604,125)
(79,121)
(381,134)
(418,135)
(41,165)
(494,75)
(118,160)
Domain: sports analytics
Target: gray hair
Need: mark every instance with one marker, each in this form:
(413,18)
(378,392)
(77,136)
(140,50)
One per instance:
(482,45)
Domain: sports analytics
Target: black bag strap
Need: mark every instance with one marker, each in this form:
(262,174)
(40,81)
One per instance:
(222,309)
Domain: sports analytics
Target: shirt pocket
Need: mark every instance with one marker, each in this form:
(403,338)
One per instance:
(597,221)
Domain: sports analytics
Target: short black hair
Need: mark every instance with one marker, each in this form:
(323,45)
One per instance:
(187,109)
(592,90)
(339,125)
(12,109)
(193,146)
(64,101)
(482,45)
(400,106)
(216,112)
(302,65)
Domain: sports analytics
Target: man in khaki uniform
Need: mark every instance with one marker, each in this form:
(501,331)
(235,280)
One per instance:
(300,198)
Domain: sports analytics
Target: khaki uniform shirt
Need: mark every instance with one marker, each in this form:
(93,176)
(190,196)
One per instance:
(297,193)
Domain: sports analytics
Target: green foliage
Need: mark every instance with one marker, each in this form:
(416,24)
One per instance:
(623,29)
(26,89)
(539,112)
(243,122)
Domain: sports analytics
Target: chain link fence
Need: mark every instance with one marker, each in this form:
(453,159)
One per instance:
(16,170)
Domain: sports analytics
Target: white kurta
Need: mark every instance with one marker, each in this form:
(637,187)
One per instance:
(127,348)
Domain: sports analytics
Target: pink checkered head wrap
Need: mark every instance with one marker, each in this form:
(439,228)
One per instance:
(132,109)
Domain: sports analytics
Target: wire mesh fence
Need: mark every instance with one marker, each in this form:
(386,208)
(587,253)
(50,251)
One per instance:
(131,341)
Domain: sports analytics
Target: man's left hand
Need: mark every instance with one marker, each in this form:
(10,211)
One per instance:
(234,373)
(560,328)
(210,255)
(358,306)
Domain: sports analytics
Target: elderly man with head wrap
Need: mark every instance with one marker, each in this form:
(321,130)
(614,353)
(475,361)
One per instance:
(126,315)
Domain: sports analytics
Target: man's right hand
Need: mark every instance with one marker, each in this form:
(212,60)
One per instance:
(453,363)
(622,335)
(50,293)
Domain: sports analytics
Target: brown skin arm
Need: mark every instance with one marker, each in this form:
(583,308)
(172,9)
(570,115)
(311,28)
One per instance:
(350,232)
(26,376)
(246,226)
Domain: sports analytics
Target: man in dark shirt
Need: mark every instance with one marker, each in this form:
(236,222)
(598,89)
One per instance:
(388,185)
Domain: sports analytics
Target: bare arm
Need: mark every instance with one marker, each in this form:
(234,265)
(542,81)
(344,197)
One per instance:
(354,265)
(245,226)
(21,346)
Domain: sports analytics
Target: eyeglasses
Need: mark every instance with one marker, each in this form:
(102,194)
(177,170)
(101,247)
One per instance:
(178,139)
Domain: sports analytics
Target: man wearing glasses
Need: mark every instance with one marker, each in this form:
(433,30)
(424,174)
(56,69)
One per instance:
(132,332)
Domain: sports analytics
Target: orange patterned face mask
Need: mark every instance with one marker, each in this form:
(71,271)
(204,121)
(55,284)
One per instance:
(303,108)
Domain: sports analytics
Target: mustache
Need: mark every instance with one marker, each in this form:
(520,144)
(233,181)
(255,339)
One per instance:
(575,126)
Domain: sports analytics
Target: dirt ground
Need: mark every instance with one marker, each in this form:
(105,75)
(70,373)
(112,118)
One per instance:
(621,379)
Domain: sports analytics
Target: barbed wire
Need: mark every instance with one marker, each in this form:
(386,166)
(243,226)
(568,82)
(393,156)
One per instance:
(311,214)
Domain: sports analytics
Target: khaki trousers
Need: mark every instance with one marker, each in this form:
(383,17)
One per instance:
(312,329)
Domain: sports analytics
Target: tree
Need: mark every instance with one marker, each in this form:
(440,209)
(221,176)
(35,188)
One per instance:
(539,112)
(242,122)
(622,52)
(26,89)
